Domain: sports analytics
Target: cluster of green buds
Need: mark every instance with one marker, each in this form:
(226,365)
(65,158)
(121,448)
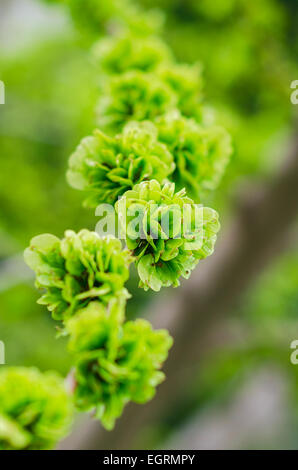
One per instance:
(175,147)
(200,153)
(105,167)
(134,96)
(137,95)
(115,362)
(167,233)
(78,269)
(35,409)
(120,54)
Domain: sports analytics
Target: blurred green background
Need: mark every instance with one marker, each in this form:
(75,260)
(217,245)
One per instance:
(246,391)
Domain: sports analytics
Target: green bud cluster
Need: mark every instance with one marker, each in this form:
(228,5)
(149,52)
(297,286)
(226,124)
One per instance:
(123,53)
(138,95)
(115,362)
(35,409)
(77,269)
(134,96)
(106,167)
(172,234)
(186,82)
(201,154)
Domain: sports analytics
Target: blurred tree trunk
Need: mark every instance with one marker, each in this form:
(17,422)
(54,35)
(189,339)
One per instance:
(260,231)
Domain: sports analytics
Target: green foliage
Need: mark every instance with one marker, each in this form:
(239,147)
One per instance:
(117,55)
(39,127)
(35,410)
(106,167)
(115,362)
(246,50)
(201,154)
(94,16)
(21,321)
(77,269)
(249,52)
(274,300)
(169,235)
(154,106)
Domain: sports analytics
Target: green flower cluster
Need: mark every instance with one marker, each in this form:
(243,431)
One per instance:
(167,233)
(186,81)
(35,409)
(77,269)
(137,95)
(106,167)
(120,54)
(134,96)
(115,362)
(201,154)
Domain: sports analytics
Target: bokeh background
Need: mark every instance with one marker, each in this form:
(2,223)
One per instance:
(231,383)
